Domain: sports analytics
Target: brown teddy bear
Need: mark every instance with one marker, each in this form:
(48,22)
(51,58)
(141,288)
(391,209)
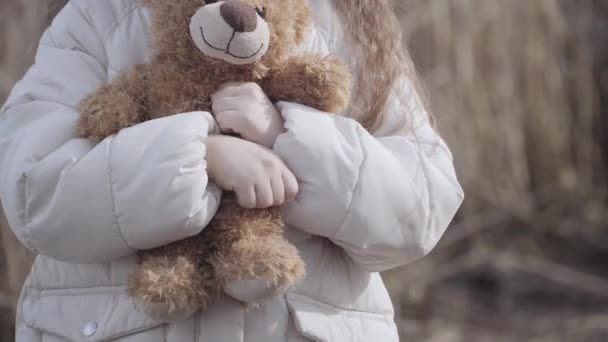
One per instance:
(199,45)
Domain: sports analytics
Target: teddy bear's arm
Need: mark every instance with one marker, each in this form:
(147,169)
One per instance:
(115,106)
(320,82)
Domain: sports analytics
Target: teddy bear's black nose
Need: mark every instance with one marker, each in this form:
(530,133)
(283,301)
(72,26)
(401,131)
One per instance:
(240,16)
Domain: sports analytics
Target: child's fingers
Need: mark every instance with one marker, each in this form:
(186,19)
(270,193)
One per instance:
(224,103)
(263,194)
(291,185)
(246,197)
(229,89)
(226,120)
(278,190)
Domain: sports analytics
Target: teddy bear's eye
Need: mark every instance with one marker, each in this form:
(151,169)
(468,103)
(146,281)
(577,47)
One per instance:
(261,12)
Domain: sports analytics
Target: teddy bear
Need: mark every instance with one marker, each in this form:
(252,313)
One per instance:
(198,46)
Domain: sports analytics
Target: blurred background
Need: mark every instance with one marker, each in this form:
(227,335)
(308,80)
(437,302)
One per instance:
(519,89)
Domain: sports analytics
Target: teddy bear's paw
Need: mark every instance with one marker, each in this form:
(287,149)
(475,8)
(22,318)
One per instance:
(260,270)
(335,86)
(254,291)
(320,82)
(166,288)
(258,290)
(106,112)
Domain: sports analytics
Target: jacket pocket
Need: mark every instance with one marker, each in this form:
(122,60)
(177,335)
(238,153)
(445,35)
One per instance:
(91,314)
(322,322)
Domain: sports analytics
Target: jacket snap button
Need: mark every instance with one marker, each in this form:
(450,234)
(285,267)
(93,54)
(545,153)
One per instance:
(90,329)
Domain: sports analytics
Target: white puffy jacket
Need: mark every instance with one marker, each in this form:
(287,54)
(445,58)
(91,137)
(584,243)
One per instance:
(367,203)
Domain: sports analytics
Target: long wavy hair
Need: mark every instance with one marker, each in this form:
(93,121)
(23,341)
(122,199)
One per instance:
(375,35)
(382,60)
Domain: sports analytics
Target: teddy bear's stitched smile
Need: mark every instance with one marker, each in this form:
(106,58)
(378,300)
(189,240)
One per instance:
(227,50)
(232,31)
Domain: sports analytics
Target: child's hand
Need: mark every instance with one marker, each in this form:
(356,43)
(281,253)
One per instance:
(259,178)
(244,108)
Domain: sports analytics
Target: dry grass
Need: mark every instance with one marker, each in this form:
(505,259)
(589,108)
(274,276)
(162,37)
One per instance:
(513,85)
(20,26)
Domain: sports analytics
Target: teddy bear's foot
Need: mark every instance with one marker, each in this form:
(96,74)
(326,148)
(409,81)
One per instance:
(254,291)
(168,289)
(261,269)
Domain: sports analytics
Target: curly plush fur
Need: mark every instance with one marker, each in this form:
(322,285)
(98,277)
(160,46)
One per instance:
(179,279)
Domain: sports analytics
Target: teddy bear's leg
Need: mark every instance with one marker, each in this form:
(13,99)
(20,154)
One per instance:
(323,83)
(171,282)
(114,106)
(273,266)
(257,256)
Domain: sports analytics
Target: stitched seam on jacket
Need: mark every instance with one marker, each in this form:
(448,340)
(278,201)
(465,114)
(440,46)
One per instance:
(315,301)
(364,157)
(197,328)
(104,36)
(26,233)
(109,338)
(145,328)
(92,24)
(127,12)
(42,332)
(111,185)
(430,199)
(76,291)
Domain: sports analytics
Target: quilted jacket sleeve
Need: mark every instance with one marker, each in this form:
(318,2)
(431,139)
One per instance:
(70,200)
(385,199)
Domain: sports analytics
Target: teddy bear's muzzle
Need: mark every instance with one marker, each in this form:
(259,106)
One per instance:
(231,30)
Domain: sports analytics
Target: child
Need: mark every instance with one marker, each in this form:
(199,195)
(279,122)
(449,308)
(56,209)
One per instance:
(362,192)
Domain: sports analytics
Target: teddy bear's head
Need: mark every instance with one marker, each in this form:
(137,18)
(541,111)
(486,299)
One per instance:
(242,33)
